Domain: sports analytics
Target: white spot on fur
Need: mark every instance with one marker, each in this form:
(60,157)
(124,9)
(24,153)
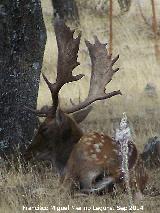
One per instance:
(102,141)
(88,143)
(96,146)
(90,139)
(98,150)
(94,136)
(87,140)
(94,156)
(91,151)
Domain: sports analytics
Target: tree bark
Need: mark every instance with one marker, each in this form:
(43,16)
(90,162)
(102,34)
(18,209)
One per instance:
(22,44)
(66,9)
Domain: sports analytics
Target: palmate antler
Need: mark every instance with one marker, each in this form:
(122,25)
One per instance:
(101,73)
(67,60)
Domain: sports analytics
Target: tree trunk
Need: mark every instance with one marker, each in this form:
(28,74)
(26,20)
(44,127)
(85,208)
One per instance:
(22,44)
(66,9)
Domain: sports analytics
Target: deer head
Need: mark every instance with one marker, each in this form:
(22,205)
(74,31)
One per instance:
(59,132)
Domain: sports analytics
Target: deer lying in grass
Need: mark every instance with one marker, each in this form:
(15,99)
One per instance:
(91,160)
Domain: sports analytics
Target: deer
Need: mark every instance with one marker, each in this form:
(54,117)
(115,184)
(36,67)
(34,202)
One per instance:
(99,168)
(59,132)
(59,138)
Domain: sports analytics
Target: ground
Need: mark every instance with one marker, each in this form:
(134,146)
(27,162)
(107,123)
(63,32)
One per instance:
(139,66)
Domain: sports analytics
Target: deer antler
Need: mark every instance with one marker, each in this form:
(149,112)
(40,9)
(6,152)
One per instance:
(101,75)
(40,113)
(68,48)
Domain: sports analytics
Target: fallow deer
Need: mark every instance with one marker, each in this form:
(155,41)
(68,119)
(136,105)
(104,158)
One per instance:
(58,134)
(91,160)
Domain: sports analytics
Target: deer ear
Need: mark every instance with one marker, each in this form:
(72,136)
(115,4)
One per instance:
(80,115)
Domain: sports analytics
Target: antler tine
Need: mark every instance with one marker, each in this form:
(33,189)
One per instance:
(79,100)
(101,74)
(39,113)
(68,48)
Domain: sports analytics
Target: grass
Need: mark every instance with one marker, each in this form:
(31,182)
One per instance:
(20,191)
(134,41)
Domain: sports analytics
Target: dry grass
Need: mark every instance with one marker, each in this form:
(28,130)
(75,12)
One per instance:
(138,65)
(19,191)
